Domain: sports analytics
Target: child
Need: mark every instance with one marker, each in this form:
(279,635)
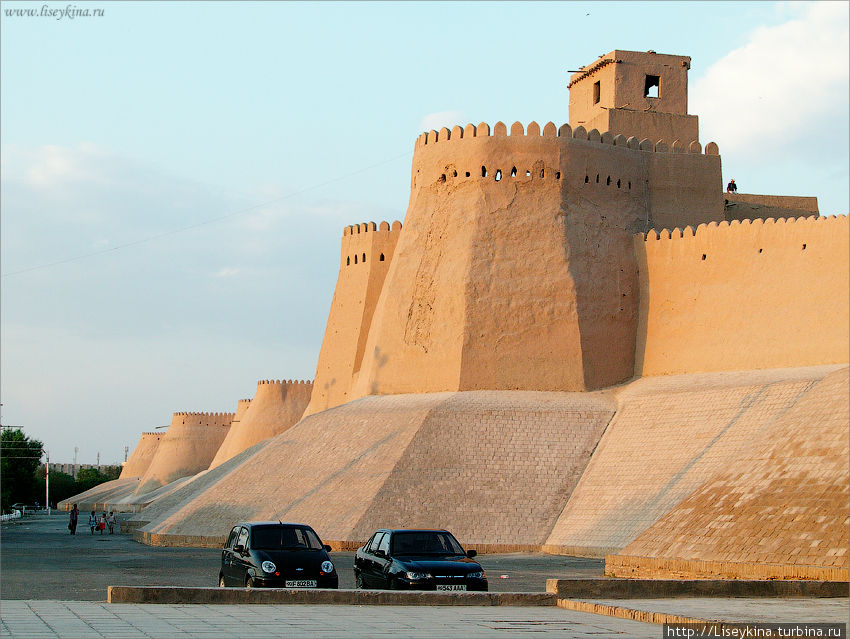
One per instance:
(110,521)
(92,522)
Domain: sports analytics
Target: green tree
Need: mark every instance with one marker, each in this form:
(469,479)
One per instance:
(62,485)
(19,461)
(90,477)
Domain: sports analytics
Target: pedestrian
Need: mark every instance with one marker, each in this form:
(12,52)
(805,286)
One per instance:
(110,521)
(101,525)
(92,522)
(75,515)
(731,187)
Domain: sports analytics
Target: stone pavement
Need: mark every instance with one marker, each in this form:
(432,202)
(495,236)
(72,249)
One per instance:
(73,619)
(725,609)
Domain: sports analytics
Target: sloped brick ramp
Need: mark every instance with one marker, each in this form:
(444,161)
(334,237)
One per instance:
(496,467)
(778,510)
(670,435)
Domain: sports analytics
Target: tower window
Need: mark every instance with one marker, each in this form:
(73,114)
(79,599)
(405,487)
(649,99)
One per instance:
(382,257)
(652,86)
(596,91)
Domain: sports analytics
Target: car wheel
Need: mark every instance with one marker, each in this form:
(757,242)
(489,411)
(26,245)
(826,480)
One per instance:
(393,584)
(221,581)
(358,582)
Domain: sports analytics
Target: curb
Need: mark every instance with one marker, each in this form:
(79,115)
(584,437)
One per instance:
(629,613)
(622,588)
(181,595)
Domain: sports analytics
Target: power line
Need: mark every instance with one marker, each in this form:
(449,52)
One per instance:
(205,222)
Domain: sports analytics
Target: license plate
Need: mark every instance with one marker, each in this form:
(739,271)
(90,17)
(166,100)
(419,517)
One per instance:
(451,586)
(301,583)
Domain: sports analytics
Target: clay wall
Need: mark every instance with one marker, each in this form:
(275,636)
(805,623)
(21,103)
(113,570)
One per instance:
(142,455)
(777,510)
(497,223)
(669,436)
(186,448)
(739,296)
(277,405)
(365,257)
(479,456)
(748,206)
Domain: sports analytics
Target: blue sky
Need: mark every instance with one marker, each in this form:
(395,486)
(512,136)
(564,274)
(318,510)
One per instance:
(201,159)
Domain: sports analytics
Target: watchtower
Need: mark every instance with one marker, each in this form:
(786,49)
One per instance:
(637,94)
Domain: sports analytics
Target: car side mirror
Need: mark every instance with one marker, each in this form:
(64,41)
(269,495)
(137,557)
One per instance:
(380,553)
(239,548)
(326,547)
(471,553)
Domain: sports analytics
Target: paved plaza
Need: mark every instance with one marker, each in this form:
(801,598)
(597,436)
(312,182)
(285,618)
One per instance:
(24,619)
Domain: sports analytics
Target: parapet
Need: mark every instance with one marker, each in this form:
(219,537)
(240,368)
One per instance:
(362,243)
(799,223)
(563,133)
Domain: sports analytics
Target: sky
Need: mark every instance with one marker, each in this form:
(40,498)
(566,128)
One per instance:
(175,176)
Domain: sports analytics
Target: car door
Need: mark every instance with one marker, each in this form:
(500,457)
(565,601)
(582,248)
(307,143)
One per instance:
(227,556)
(382,562)
(369,567)
(240,559)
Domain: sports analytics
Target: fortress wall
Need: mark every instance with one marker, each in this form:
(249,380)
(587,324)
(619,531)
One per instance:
(739,296)
(142,455)
(748,206)
(241,406)
(188,447)
(323,471)
(492,467)
(277,405)
(685,188)
(497,223)
(366,254)
(780,510)
(669,436)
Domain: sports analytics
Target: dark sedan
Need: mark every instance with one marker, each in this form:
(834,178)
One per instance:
(276,555)
(417,560)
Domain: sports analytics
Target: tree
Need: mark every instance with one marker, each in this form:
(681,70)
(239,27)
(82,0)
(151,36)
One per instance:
(19,461)
(90,477)
(62,485)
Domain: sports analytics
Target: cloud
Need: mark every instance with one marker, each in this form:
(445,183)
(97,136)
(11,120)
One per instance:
(227,272)
(440,119)
(787,82)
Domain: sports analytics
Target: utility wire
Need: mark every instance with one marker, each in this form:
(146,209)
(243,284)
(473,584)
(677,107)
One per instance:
(205,222)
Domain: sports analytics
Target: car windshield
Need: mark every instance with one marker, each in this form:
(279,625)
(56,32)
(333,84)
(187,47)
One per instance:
(425,543)
(288,537)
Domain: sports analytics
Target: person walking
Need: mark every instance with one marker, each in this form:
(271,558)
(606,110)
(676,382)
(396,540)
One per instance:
(731,187)
(92,522)
(75,515)
(110,521)
(101,525)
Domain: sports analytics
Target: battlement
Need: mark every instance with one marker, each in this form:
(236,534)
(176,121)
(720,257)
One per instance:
(151,433)
(802,223)
(365,227)
(564,132)
(210,415)
(362,243)
(284,381)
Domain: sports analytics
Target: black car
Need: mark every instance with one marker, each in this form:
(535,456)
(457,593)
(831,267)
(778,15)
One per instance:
(417,560)
(273,554)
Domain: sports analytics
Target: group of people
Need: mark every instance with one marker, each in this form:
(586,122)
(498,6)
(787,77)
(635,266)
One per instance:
(101,523)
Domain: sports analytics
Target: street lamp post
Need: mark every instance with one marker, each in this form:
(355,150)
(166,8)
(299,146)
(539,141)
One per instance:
(47,482)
